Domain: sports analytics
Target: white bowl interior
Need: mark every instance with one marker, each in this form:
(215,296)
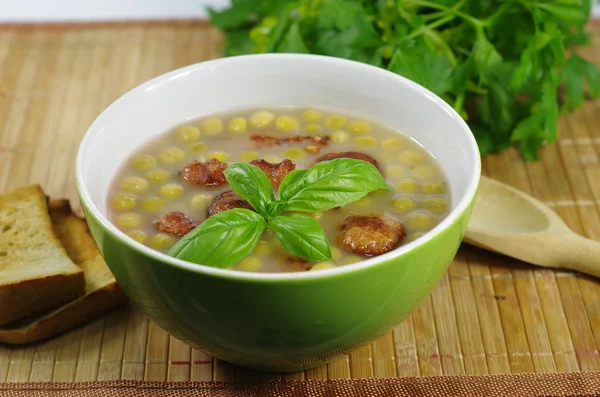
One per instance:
(275,80)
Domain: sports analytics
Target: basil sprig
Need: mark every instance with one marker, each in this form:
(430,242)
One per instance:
(227,237)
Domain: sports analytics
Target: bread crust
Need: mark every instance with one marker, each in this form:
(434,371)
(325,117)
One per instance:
(70,315)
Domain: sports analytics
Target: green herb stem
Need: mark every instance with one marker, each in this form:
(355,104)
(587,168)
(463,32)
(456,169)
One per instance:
(459,101)
(435,15)
(431,34)
(429,27)
(499,13)
(446,50)
(424,3)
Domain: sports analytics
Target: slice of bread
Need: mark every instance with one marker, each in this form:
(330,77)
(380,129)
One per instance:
(36,273)
(72,231)
(102,292)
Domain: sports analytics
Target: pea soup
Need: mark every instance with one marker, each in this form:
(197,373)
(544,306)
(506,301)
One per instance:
(172,184)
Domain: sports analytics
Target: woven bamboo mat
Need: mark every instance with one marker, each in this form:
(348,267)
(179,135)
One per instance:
(489,315)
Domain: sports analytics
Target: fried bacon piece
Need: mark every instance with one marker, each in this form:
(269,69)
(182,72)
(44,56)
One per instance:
(276,172)
(370,235)
(175,223)
(266,140)
(208,174)
(313,140)
(349,155)
(226,201)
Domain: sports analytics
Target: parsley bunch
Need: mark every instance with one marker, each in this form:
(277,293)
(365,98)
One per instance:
(505,65)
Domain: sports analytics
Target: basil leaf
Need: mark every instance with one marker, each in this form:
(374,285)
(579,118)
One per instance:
(252,184)
(291,179)
(330,184)
(222,240)
(302,236)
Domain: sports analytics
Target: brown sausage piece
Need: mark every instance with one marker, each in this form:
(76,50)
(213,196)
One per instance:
(208,174)
(175,223)
(370,235)
(226,201)
(349,155)
(276,172)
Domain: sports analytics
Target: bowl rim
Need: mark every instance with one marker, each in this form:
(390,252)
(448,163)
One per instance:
(167,260)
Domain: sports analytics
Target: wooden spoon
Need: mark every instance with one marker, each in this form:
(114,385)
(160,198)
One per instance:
(511,222)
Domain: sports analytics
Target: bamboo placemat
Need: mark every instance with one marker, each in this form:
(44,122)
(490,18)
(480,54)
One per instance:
(489,315)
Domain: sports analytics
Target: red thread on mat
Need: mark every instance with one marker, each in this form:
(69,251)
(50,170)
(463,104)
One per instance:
(496,355)
(515,354)
(587,353)
(198,362)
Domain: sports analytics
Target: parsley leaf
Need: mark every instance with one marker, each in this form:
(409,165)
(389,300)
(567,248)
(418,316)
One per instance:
(292,41)
(541,126)
(423,66)
(485,56)
(575,73)
(338,14)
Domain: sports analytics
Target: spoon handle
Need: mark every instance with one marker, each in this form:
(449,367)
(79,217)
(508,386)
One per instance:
(581,254)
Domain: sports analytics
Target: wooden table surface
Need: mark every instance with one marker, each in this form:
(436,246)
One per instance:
(488,315)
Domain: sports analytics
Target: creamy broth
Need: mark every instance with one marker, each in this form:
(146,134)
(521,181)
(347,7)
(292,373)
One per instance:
(149,185)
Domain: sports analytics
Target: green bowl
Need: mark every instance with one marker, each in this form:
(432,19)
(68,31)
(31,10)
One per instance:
(289,321)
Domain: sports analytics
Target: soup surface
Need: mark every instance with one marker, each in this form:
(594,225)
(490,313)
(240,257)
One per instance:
(173,183)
